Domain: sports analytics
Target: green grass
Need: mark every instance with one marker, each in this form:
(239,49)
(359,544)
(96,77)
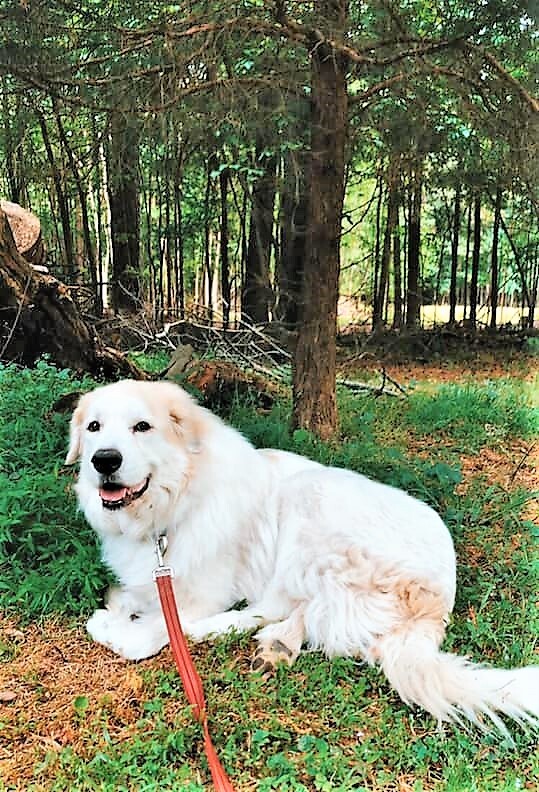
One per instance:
(322,725)
(474,415)
(49,559)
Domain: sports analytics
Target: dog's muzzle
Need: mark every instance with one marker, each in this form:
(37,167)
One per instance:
(115,495)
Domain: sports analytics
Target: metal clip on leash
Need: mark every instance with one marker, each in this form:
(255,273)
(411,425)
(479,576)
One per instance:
(161,547)
(192,684)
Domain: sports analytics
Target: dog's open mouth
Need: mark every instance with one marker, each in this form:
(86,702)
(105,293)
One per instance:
(115,495)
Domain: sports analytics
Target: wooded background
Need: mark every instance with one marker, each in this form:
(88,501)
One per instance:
(255,161)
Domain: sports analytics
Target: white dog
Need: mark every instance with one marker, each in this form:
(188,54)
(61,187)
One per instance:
(323,557)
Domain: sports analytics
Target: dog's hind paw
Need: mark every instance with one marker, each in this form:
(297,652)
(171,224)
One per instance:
(268,656)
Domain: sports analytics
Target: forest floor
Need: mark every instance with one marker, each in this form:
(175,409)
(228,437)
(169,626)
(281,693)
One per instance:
(75,717)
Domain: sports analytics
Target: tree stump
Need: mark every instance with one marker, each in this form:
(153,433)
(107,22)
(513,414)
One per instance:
(26,230)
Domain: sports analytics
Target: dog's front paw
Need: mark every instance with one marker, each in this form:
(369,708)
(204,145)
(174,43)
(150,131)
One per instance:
(132,639)
(99,627)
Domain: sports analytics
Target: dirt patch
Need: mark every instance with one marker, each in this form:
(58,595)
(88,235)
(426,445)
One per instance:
(513,467)
(485,367)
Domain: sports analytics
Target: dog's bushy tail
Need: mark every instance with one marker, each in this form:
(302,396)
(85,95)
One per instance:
(453,689)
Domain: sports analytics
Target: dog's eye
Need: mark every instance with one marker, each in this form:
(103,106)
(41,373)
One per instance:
(142,426)
(94,426)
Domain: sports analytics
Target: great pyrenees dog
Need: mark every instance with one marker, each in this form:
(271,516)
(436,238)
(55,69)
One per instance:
(324,558)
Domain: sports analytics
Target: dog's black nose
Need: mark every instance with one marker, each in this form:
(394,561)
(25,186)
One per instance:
(107,460)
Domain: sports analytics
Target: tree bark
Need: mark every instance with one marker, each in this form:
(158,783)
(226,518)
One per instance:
(81,192)
(124,188)
(63,206)
(454,258)
(293,222)
(476,254)
(391,219)
(256,293)
(39,317)
(494,266)
(397,271)
(314,398)
(413,288)
(467,261)
(223,243)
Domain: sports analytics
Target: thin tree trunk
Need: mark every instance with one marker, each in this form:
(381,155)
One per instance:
(378,235)
(413,290)
(476,257)
(397,272)
(208,274)
(124,188)
(179,247)
(225,265)
(63,206)
(454,258)
(467,261)
(85,220)
(12,147)
(314,398)
(257,295)
(293,222)
(494,271)
(391,219)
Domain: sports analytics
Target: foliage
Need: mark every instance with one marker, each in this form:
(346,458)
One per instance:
(49,559)
(207,81)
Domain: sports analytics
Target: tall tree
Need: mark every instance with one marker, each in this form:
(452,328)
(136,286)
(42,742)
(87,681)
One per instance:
(314,398)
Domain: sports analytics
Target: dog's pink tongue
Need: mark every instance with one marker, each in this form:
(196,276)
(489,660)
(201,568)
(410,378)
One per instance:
(112,496)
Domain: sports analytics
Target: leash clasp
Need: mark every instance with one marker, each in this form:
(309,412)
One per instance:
(161,546)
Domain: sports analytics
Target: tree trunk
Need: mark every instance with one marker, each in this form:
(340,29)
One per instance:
(467,261)
(13,146)
(397,271)
(63,206)
(179,247)
(413,289)
(293,222)
(454,258)
(391,219)
(256,294)
(123,185)
(81,192)
(314,398)
(494,270)
(377,237)
(476,254)
(39,317)
(223,253)
(207,270)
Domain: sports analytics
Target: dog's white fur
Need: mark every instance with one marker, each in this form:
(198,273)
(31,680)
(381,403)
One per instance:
(323,556)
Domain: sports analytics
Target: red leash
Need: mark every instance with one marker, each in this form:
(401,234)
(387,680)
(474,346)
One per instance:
(186,668)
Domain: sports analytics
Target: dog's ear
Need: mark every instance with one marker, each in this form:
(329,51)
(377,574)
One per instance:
(75,433)
(187,420)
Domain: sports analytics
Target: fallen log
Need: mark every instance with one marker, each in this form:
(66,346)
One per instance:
(38,317)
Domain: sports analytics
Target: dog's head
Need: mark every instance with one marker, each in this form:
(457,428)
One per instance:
(135,441)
